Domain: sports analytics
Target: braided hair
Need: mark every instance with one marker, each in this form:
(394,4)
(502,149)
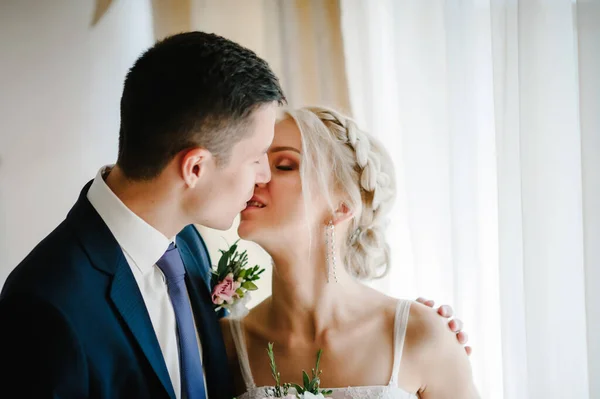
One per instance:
(349,162)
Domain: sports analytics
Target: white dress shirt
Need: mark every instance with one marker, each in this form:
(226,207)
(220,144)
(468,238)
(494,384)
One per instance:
(143,246)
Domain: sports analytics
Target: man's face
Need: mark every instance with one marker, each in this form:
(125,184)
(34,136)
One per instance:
(227,188)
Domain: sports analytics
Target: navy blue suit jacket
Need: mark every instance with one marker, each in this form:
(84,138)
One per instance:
(73,323)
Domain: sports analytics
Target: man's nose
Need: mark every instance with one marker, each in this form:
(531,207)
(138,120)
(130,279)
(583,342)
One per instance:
(265,174)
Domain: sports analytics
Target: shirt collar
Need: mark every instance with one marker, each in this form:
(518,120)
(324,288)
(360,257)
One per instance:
(143,243)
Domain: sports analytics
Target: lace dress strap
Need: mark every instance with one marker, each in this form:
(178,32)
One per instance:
(237,332)
(400,324)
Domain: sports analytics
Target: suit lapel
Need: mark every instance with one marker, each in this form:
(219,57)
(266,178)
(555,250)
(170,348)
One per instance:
(106,255)
(128,300)
(213,347)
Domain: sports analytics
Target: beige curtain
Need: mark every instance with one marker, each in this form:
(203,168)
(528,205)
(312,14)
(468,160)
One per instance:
(168,16)
(301,39)
(171,16)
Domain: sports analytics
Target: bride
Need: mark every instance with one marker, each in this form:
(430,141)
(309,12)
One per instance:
(322,219)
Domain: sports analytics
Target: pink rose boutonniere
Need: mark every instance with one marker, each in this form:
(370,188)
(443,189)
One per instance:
(231,279)
(224,292)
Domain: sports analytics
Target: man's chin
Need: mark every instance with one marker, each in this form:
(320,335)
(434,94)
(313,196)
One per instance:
(222,225)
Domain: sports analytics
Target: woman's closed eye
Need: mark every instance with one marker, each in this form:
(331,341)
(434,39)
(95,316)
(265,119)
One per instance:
(286,165)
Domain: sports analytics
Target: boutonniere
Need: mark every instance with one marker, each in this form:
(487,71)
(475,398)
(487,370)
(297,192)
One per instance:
(310,388)
(232,279)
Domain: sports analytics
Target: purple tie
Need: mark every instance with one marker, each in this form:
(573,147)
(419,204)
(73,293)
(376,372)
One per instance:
(192,378)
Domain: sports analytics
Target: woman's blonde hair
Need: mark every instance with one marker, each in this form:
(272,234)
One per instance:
(339,159)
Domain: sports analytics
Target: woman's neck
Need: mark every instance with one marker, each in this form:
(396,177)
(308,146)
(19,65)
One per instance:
(304,303)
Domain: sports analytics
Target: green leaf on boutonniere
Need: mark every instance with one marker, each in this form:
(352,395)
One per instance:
(222,268)
(254,277)
(249,285)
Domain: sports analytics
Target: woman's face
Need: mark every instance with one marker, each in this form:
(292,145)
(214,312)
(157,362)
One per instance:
(276,216)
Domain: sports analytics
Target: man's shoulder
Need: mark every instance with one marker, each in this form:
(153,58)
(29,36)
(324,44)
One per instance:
(54,264)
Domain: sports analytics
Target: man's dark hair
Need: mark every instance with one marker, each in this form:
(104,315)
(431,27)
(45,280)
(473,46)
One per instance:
(192,89)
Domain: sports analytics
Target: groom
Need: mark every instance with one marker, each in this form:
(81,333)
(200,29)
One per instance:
(115,302)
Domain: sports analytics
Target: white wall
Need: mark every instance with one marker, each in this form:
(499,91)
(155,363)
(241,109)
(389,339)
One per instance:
(60,86)
(588,14)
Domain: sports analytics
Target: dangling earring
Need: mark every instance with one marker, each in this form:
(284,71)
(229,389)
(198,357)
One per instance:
(330,244)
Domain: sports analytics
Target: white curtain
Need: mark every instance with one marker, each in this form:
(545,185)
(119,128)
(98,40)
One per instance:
(491,109)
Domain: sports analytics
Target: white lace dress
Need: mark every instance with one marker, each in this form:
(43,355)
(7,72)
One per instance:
(390,391)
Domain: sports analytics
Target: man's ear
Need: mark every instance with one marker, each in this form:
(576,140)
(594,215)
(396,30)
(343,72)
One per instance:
(342,213)
(194,164)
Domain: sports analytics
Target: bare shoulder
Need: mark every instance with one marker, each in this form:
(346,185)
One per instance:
(385,305)
(437,358)
(426,328)
(428,335)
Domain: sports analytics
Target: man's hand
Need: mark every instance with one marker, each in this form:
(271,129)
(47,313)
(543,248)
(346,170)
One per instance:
(455,324)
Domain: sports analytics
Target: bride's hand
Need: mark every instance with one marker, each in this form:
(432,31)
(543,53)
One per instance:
(455,324)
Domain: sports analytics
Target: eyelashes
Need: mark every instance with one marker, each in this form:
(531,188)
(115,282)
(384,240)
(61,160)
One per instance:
(285,168)
(284,164)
